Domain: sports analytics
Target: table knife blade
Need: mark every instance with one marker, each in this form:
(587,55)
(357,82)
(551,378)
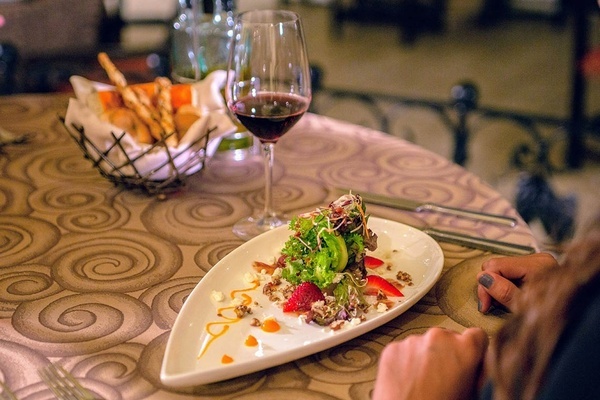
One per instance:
(495,246)
(419,206)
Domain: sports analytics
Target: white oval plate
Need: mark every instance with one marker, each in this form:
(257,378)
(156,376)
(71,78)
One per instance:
(407,249)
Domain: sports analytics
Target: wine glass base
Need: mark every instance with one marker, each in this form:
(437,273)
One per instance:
(251,227)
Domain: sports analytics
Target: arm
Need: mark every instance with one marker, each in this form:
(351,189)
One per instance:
(440,364)
(500,278)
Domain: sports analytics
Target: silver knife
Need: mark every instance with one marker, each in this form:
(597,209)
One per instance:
(419,206)
(495,246)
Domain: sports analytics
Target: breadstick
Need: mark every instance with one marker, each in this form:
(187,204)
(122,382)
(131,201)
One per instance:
(147,102)
(129,96)
(165,108)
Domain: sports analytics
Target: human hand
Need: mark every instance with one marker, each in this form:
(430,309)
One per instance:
(501,278)
(440,364)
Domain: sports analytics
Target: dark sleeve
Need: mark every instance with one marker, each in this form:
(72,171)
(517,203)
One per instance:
(487,392)
(575,367)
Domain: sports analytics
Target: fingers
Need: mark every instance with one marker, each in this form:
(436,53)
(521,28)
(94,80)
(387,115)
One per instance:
(492,287)
(484,300)
(477,339)
(501,278)
(417,367)
(472,342)
(519,267)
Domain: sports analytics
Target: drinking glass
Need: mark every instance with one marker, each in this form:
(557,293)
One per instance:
(268,91)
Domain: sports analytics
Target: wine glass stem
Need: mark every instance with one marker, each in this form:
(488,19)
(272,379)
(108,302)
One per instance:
(268,151)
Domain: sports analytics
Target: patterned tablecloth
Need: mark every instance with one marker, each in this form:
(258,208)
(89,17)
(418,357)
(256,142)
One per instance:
(92,276)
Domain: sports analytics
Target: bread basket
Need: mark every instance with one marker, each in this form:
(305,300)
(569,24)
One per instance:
(155,168)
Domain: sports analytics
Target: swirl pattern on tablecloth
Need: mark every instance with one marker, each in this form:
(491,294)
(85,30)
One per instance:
(428,304)
(24,283)
(399,158)
(231,177)
(314,148)
(12,193)
(16,358)
(333,365)
(432,191)
(291,193)
(166,299)
(116,261)
(24,238)
(88,210)
(190,218)
(53,163)
(360,172)
(210,254)
(59,198)
(94,219)
(362,390)
(114,373)
(73,324)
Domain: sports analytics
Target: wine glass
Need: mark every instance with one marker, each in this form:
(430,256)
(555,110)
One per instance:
(268,91)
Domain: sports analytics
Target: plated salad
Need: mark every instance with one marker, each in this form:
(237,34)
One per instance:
(324,272)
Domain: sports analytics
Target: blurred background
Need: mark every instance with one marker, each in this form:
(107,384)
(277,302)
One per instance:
(508,89)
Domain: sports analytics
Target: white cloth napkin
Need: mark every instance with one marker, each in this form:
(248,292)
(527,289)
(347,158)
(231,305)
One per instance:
(149,161)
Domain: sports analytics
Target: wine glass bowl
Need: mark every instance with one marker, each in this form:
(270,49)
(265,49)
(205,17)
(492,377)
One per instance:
(268,91)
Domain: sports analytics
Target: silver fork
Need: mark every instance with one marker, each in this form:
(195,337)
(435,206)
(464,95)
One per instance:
(63,384)
(6,393)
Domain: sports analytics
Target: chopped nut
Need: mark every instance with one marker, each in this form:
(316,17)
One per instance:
(242,310)
(404,277)
(255,322)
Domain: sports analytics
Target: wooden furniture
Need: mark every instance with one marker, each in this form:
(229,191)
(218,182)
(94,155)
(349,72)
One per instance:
(52,45)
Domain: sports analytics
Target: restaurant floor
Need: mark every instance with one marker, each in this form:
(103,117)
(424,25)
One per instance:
(520,65)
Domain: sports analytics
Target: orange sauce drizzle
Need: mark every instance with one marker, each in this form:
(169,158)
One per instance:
(233,292)
(229,316)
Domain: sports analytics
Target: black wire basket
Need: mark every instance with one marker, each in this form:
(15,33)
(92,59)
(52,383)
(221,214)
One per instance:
(166,176)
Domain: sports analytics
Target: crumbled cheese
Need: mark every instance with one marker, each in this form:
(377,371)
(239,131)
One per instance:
(251,277)
(354,322)
(217,296)
(382,307)
(277,273)
(236,302)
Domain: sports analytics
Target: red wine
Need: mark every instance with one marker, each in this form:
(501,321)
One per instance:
(269,115)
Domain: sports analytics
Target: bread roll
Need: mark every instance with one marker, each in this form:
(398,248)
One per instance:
(126,119)
(185,116)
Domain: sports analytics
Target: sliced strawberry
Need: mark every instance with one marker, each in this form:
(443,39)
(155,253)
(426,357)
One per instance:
(303,297)
(376,283)
(372,262)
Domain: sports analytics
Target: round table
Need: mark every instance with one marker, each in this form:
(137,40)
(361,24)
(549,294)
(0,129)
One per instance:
(92,275)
